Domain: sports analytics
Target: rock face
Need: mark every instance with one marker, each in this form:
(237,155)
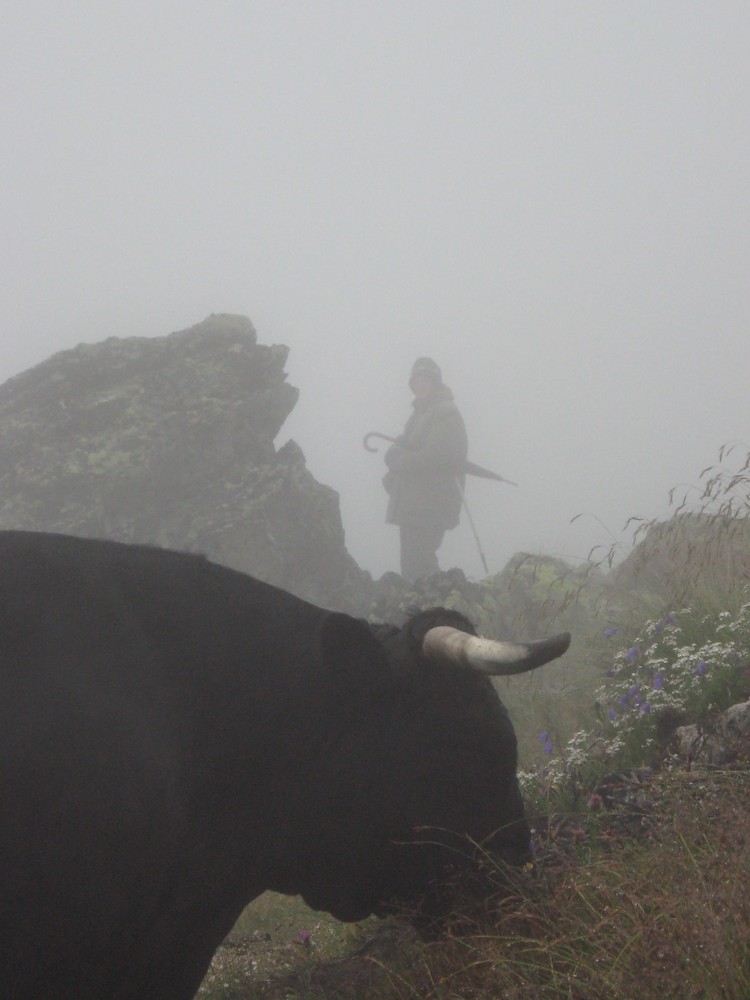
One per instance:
(170,441)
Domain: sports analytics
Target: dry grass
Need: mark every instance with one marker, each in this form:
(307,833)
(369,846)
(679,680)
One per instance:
(666,915)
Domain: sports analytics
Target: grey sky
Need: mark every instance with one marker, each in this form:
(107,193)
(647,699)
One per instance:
(551,199)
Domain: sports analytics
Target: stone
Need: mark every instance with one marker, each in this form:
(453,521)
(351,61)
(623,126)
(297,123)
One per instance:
(170,441)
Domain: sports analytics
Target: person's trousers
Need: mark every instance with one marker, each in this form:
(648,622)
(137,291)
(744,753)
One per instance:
(419,545)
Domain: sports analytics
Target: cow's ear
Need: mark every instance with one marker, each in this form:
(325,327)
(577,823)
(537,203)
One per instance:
(354,657)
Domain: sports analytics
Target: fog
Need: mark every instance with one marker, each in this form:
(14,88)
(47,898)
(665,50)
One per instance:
(550,199)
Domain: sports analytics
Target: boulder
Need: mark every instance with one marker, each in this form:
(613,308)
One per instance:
(728,739)
(170,441)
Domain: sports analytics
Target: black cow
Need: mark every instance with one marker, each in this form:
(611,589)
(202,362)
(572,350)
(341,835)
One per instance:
(177,737)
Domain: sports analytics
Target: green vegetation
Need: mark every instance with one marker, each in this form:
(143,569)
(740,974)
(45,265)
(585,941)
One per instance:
(682,668)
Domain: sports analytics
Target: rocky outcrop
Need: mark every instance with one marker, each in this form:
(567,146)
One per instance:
(170,441)
(532,596)
(691,552)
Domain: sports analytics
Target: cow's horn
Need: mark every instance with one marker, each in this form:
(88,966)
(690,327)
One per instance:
(489,655)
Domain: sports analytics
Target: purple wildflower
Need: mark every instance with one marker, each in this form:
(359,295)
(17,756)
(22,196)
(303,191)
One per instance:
(543,737)
(632,653)
(670,619)
(612,714)
(609,632)
(659,681)
(700,669)
(624,700)
(645,708)
(635,691)
(547,747)
(659,628)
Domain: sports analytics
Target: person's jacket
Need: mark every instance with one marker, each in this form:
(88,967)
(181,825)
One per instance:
(425,475)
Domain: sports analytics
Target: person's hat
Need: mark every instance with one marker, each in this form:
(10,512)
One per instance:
(426,366)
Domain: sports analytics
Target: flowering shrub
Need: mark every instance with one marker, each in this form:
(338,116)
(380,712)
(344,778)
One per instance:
(682,663)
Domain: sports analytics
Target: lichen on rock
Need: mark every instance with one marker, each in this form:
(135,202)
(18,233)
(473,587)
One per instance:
(170,441)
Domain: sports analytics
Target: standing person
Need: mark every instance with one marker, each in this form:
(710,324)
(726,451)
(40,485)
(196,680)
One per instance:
(425,475)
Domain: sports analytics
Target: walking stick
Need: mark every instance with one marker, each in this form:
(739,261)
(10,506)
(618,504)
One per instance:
(473,528)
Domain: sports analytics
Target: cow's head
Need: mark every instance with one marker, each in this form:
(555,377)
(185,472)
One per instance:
(416,762)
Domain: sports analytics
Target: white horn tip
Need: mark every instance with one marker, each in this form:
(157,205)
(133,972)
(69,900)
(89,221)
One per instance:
(489,655)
